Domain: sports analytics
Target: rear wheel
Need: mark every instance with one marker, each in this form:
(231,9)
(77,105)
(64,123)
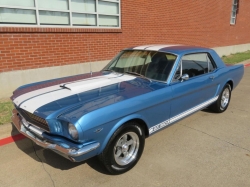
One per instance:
(124,148)
(223,101)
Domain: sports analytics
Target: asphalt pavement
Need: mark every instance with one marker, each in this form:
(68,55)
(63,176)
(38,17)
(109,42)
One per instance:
(205,149)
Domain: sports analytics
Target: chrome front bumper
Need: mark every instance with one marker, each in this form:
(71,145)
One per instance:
(35,134)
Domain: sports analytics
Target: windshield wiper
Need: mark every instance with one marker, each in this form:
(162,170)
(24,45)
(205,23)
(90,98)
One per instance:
(138,74)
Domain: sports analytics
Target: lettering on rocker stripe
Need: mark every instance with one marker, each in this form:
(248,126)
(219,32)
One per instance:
(159,126)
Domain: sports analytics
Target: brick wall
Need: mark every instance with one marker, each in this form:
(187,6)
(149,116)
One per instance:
(191,22)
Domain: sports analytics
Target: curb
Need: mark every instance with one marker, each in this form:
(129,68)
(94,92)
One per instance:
(247,65)
(11,139)
(244,62)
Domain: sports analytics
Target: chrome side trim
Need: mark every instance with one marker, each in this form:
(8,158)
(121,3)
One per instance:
(181,115)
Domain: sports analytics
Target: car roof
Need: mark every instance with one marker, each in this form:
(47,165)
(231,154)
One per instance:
(171,48)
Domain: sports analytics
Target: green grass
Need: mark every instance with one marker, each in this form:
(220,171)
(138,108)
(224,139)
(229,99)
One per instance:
(237,57)
(5,111)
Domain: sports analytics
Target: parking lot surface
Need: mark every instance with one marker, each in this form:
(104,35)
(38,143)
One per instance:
(205,149)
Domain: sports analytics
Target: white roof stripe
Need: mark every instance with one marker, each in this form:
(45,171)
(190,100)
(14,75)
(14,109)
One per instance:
(142,47)
(153,47)
(158,47)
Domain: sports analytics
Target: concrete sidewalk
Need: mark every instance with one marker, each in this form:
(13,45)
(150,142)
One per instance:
(6,131)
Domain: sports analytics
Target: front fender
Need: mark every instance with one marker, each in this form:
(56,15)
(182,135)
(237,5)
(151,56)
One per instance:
(118,124)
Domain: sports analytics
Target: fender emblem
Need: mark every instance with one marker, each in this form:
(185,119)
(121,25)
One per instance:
(98,130)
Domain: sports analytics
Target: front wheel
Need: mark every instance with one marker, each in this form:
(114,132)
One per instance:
(124,149)
(223,101)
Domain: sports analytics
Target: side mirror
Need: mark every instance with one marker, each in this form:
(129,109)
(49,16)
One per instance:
(184,77)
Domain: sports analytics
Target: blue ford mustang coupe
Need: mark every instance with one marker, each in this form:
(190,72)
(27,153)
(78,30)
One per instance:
(110,113)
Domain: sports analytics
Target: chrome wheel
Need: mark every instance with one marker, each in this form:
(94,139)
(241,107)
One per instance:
(126,148)
(225,97)
(223,101)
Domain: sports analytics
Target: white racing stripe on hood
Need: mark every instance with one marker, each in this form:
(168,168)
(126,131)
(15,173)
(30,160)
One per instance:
(37,92)
(34,93)
(97,82)
(76,87)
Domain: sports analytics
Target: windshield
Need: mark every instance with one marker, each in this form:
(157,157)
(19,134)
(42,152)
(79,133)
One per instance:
(150,64)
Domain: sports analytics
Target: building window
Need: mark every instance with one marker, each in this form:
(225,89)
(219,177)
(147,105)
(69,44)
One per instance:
(234,12)
(72,13)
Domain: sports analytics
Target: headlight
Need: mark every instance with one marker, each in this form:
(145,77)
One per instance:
(73,131)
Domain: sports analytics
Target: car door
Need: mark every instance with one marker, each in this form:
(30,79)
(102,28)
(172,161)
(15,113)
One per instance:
(198,90)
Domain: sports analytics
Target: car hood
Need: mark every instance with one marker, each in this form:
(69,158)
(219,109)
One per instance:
(79,95)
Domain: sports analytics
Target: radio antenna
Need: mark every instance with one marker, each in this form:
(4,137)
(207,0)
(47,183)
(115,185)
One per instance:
(90,65)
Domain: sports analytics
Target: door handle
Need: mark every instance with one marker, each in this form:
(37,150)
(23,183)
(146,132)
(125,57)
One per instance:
(211,77)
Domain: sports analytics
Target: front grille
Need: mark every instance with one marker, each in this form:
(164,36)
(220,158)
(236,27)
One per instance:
(33,119)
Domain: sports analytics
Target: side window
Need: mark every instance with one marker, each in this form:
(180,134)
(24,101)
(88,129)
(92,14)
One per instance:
(194,65)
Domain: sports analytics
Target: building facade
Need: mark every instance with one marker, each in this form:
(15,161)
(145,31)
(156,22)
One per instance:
(44,39)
